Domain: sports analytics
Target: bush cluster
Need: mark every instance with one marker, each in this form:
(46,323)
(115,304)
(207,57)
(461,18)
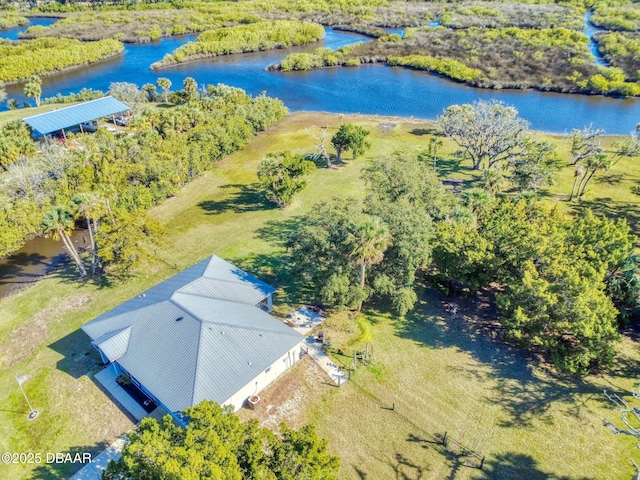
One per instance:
(245,38)
(18,61)
(621,18)
(444,66)
(321,57)
(10,19)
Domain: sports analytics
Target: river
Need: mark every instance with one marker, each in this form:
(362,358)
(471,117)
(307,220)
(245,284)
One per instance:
(372,89)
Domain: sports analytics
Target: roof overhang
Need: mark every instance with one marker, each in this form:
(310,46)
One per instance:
(62,118)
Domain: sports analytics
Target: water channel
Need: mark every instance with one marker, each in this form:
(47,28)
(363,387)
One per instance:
(589,30)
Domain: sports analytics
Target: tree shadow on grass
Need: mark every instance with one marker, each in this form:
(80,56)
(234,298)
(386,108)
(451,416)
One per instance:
(509,465)
(78,357)
(449,166)
(517,466)
(611,179)
(405,469)
(243,198)
(274,268)
(56,467)
(526,393)
(611,209)
(419,132)
(362,475)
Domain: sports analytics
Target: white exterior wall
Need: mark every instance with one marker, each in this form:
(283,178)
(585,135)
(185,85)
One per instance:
(259,383)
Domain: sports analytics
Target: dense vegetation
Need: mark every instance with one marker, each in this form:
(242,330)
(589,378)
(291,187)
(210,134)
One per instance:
(445,66)
(553,59)
(623,19)
(216,445)
(166,19)
(621,50)
(120,177)
(281,176)
(321,57)
(18,61)
(10,19)
(562,284)
(244,38)
(561,290)
(145,21)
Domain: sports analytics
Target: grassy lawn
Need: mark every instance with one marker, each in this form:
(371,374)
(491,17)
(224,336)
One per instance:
(443,374)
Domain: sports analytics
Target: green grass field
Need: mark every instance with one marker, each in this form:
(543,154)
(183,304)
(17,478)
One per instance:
(443,374)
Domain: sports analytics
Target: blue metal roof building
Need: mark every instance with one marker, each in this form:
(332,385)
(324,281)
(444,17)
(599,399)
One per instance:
(50,122)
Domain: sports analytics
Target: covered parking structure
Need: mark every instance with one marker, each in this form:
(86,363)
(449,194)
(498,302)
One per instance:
(65,118)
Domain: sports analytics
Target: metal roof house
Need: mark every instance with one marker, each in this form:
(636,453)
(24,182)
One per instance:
(204,333)
(63,118)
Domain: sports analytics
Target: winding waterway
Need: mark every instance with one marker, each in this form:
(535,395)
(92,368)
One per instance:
(369,89)
(589,30)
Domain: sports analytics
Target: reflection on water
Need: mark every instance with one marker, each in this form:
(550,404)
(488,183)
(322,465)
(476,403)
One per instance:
(35,259)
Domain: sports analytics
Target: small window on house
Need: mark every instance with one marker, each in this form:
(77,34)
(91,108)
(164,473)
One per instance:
(267,370)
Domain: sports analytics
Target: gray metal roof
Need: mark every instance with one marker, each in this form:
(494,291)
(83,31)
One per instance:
(114,344)
(217,346)
(49,122)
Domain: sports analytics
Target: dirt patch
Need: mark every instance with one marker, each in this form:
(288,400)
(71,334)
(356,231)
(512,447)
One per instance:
(24,340)
(286,400)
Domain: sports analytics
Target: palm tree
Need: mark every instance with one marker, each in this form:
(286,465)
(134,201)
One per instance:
(434,145)
(57,223)
(33,88)
(368,241)
(150,91)
(88,206)
(190,87)
(165,84)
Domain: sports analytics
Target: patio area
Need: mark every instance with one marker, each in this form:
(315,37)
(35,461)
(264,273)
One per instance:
(305,319)
(107,378)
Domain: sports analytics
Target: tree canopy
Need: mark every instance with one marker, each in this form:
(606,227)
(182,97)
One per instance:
(488,132)
(352,138)
(563,282)
(217,445)
(281,176)
(347,251)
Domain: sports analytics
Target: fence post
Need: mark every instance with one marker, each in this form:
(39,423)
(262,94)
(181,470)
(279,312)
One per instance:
(444,439)
(482,462)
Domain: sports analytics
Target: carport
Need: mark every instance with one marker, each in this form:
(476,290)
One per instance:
(64,118)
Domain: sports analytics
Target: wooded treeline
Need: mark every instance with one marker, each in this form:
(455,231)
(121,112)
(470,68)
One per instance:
(109,181)
(563,284)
